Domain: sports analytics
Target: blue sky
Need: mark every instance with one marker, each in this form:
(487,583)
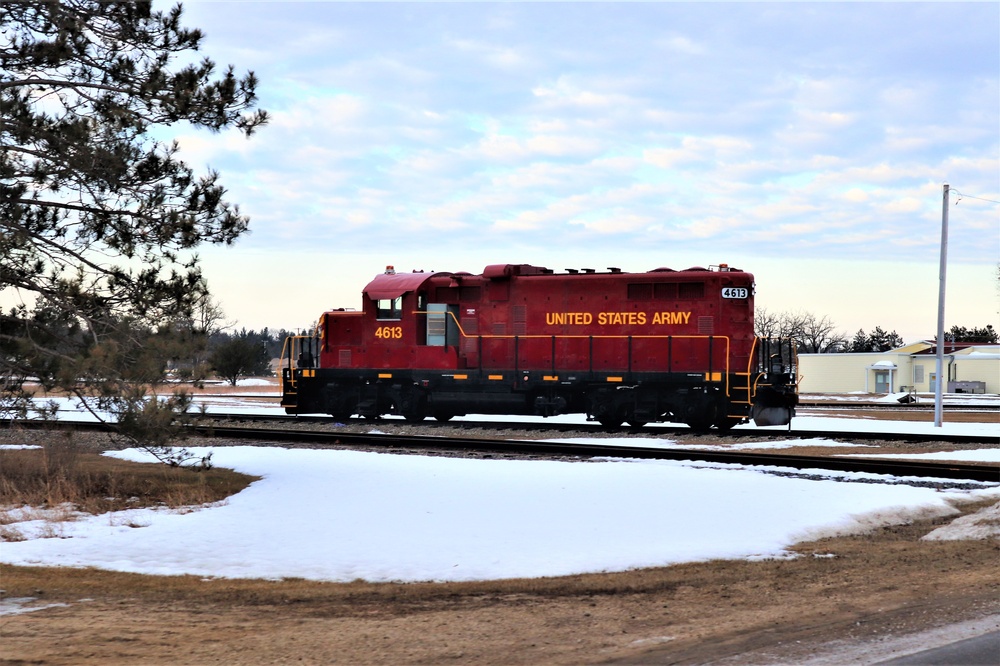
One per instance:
(807,143)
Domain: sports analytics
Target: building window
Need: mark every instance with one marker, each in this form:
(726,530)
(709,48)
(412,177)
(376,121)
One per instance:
(918,374)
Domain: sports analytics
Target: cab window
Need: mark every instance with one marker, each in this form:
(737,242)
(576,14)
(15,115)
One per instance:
(389,308)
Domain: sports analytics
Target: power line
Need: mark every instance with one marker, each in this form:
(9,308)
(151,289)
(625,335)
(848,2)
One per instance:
(969,196)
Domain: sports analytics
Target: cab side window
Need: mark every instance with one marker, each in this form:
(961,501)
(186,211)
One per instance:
(389,308)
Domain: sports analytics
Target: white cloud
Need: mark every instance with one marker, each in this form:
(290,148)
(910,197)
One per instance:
(564,92)
(698,149)
(856,195)
(904,205)
(614,223)
(683,44)
(500,56)
(660,128)
(508,148)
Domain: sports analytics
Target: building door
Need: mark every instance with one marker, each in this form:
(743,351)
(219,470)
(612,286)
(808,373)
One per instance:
(933,382)
(882,381)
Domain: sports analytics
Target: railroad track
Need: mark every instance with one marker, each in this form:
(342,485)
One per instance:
(585,429)
(823,405)
(979,472)
(986,472)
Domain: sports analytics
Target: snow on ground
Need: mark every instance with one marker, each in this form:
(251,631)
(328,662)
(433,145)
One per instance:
(657,443)
(982,399)
(345,515)
(256,381)
(984,524)
(978,455)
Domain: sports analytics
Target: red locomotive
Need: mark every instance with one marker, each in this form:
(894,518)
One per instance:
(619,347)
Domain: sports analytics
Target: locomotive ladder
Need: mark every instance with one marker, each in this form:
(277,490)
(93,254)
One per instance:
(298,350)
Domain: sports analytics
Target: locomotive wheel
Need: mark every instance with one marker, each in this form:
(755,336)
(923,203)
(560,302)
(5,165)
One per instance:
(633,420)
(443,417)
(611,421)
(414,418)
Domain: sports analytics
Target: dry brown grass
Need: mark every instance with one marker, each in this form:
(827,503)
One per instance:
(61,473)
(211,387)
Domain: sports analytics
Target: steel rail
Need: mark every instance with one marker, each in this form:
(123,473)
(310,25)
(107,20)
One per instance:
(584,428)
(987,472)
(653,429)
(984,472)
(804,403)
(823,405)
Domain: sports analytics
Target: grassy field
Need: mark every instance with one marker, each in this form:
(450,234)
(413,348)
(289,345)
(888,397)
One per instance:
(61,478)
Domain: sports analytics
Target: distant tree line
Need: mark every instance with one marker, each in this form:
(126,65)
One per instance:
(986,334)
(876,341)
(244,353)
(819,335)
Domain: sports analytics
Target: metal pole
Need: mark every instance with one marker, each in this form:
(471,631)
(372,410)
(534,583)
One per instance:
(940,322)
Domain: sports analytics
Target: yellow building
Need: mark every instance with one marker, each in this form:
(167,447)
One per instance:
(968,368)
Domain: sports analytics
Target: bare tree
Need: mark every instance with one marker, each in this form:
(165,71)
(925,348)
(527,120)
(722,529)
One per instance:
(818,335)
(777,325)
(812,334)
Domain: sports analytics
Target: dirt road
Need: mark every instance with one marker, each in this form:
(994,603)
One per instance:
(854,589)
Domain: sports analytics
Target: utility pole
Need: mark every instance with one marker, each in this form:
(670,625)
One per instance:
(938,405)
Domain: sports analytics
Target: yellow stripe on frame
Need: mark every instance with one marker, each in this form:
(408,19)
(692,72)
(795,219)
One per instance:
(385,375)
(713,376)
(460,376)
(550,378)
(496,377)
(615,379)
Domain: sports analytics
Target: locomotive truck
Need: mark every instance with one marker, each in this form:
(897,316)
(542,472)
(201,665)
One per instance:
(620,347)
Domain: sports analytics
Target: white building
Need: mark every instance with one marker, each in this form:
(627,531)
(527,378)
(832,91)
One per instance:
(967,368)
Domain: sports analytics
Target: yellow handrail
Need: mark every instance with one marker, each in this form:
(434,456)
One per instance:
(549,336)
